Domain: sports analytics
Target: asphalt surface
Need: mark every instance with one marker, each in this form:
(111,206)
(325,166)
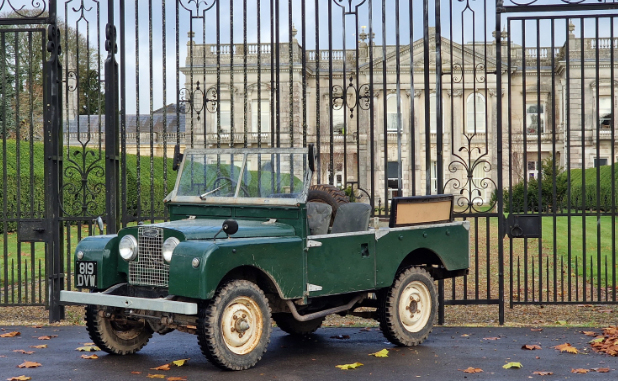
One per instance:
(444,354)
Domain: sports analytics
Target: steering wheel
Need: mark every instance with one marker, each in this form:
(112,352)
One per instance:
(220,183)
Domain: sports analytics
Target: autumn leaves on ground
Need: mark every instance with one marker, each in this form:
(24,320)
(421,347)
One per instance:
(86,347)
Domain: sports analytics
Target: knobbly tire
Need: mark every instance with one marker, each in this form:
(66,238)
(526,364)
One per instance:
(233,329)
(288,324)
(407,310)
(328,194)
(114,337)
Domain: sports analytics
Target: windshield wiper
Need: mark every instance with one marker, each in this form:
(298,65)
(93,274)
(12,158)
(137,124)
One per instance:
(203,196)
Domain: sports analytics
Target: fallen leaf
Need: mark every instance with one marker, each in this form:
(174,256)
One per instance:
(47,337)
(589,333)
(531,347)
(465,335)
(11,334)
(561,322)
(180,362)
(580,370)
(597,340)
(162,367)
(136,372)
(536,329)
(86,344)
(349,366)
(382,353)
(29,364)
(512,365)
(42,346)
(491,338)
(19,378)
(605,311)
(366,329)
(22,351)
(91,357)
(542,373)
(471,370)
(601,370)
(88,349)
(37,326)
(340,337)
(176,379)
(566,347)
(155,376)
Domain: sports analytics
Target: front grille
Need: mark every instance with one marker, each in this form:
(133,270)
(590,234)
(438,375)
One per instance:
(149,269)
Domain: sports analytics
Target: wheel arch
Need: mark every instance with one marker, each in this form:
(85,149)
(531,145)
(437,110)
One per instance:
(425,258)
(261,278)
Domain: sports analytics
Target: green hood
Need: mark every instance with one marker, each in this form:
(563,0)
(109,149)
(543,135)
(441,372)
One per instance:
(198,229)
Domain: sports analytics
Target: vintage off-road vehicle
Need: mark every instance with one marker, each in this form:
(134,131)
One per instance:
(249,242)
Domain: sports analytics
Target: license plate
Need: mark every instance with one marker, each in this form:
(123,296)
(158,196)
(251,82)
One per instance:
(86,274)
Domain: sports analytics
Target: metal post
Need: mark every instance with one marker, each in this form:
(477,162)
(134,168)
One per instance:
(500,186)
(112,155)
(53,172)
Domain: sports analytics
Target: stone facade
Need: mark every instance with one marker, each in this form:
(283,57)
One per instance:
(535,100)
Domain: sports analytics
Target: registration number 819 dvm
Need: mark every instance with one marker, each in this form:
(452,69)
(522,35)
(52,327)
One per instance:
(86,274)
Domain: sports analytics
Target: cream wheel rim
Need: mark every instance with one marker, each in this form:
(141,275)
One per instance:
(241,324)
(415,306)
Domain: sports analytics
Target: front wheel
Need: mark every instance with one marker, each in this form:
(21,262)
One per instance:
(118,337)
(234,328)
(408,308)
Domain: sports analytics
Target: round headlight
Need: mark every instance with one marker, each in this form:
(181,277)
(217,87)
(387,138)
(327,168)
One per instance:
(80,255)
(128,248)
(168,248)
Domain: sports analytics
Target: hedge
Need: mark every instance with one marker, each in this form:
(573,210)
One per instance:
(77,201)
(590,202)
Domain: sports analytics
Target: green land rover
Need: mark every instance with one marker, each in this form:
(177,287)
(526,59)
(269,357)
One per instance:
(250,242)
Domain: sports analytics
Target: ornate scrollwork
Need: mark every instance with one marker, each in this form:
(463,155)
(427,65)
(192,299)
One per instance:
(71,81)
(83,181)
(457,72)
(471,200)
(36,10)
(110,39)
(351,3)
(479,72)
(351,97)
(526,3)
(198,100)
(208,4)
(53,41)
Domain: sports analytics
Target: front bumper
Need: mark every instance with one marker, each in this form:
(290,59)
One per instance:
(160,305)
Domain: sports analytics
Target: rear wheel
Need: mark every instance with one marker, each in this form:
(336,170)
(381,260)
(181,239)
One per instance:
(288,324)
(234,328)
(328,194)
(119,337)
(408,309)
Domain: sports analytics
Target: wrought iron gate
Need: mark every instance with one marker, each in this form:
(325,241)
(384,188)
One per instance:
(401,97)
(32,271)
(561,151)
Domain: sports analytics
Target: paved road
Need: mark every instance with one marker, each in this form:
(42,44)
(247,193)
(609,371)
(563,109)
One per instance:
(439,358)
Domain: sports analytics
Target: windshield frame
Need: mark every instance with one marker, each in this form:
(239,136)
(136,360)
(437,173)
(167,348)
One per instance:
(300,199)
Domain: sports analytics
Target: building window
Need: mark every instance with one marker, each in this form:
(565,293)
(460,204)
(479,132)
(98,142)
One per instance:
(475,113)
(533,170)
(535,118)
(339,121)
(224,111)
(265,116)
(434,177)
(598,162)
(432,114)
(605,111)
(392,121)
(393,178)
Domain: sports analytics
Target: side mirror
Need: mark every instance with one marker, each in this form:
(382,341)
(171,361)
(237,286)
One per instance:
(99,222)
(311,158)
(229,227)
(177,157)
